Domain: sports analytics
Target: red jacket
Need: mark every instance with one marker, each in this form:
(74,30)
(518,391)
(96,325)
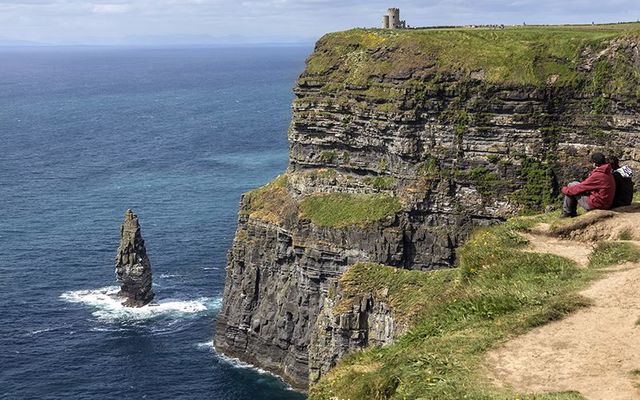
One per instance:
(600,185)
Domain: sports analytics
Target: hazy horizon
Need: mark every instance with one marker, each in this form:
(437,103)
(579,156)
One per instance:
(207,22)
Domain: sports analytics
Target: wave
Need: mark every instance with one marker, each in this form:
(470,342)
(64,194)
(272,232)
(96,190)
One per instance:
(170,276)
(46,330)
(107,306)
(205,345)
(236,363)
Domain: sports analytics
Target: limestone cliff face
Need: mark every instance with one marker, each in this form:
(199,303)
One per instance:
(278,278)
(432,138)
(367,321)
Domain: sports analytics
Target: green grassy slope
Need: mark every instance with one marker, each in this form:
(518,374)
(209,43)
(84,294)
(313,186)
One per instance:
(456,315)
(516,55)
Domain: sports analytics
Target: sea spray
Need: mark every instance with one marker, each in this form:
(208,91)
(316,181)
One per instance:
(107,306)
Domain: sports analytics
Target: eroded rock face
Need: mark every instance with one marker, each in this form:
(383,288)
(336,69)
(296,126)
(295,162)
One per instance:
(369,322)
(133,269)
(277,279)
(457,150)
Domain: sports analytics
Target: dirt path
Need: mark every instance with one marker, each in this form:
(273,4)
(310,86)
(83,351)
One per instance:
(593,351)
(576,251)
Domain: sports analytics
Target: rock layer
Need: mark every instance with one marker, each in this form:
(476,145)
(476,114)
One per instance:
(133,268)
(381,113)
(369,322)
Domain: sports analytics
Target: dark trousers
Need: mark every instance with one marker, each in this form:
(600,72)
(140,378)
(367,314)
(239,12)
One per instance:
(570,206)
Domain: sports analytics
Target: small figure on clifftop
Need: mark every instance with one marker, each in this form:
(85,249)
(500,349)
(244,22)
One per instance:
(133,269)
(624,183)
(595,192)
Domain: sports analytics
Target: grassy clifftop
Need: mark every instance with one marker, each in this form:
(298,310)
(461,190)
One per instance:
(516,55)
(456,316)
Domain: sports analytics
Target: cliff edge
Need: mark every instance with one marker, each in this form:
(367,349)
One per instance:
(401,142)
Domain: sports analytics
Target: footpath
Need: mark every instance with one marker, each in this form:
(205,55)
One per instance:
(596,350)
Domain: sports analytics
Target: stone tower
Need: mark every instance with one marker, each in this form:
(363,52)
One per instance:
(133,268)
(392,20)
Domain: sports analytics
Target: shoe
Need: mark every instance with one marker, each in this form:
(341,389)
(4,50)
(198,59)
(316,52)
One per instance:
(568,215)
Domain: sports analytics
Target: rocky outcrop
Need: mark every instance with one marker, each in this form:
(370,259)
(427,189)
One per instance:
(456,140)
(133,269)
(277,280)
(369,321)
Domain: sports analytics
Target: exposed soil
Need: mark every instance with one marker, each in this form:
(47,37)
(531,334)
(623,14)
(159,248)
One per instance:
(595,351)
(576,251)
(597,225)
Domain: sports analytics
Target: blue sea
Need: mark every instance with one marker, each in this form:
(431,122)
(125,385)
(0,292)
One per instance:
(175,134)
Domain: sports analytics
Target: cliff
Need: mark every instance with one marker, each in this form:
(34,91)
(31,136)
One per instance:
(400,143)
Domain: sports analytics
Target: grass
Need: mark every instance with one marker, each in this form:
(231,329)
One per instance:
(321,173)
(606,254)
(380,182)
(271,203)
(487,182)
(344,209)
(454,316)
(625,234)
(403,290)
(528,222)
(536,192)
(519,55)
(328,157)
(430,168)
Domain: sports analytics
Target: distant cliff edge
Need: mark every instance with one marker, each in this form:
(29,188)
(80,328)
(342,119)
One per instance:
(400,143)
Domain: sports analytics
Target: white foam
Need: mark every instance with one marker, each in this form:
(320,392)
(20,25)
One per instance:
(108,329)
(46,330)
(236,363)
(205,345)
(108,305)
(170,276)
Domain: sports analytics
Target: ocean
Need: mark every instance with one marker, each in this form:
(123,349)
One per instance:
(177,135)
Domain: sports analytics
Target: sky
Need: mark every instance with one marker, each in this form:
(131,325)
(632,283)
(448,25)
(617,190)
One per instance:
(278,21)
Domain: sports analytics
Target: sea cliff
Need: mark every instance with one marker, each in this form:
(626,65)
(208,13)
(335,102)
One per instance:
(401,142)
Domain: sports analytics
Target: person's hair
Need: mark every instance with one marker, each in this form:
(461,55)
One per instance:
(614,161)
(598,159)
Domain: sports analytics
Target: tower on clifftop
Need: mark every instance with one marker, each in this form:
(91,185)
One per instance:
(392,20)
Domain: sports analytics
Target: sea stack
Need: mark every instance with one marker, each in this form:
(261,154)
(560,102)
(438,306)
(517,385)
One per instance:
(133,269)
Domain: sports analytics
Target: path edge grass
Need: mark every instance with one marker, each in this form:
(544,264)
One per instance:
(455,316)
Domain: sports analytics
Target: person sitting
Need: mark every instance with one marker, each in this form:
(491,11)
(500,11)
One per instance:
(595,192)
(624,183)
